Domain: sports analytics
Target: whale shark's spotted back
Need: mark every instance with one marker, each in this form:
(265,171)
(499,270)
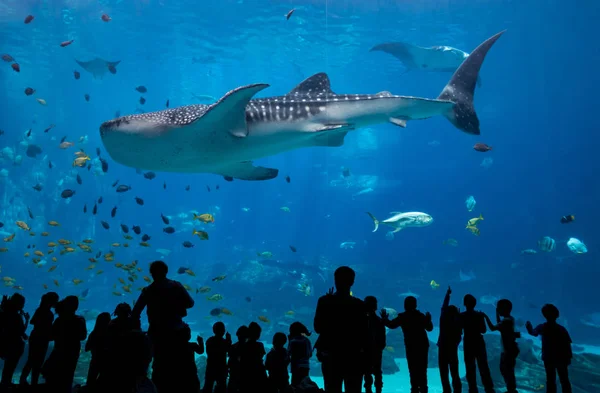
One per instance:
(175,117)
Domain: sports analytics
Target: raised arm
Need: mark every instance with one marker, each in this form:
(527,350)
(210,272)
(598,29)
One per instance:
(447,298)
(534,332)
(491,326)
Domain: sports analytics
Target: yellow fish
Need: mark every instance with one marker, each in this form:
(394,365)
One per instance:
(23,225)
(53,223)
(474,221)
(434,285)
(474,230)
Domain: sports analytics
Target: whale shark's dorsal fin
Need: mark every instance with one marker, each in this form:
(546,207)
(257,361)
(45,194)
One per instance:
(229,111)
(318,84)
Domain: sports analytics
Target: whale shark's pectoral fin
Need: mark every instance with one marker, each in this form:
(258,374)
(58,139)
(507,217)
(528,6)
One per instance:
(246,171)
(398,122)
(229,113)
(330,139)
(397,230)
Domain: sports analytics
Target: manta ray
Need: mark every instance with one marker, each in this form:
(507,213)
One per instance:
(433,58)
(225,137)
(98,67)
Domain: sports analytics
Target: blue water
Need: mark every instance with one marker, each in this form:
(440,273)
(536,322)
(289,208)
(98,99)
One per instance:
(537,107)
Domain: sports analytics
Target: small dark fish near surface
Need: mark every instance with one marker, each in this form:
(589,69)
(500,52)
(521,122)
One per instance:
(85,292)
(113,212)
(100,200)
(289,14)
(67,194)
(123,188)
(105,224)
(165,219)
(215,312)
(28,19)
(167,104)
(1,224)
(50,165)
(187,188)
(76,74)
(145,238)
(149,175)
(124,228)
(115,183)
(136,229)
(79,179)
(95,210)
(187,244)
(7,58)
(87,97)
(293,249)
(287,179)
(30,213)
(139,201)
(142,100)
(49,128)
(33,151)
(38,187)
(169,230)
(141,89)
(567,219)
(29,91)
(85,208)
(482,147)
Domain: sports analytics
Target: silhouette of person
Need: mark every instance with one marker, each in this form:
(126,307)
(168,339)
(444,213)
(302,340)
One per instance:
(415,326)
(300,351)
(556,349)
(253,374)
(276,364)
(40,338)
(191,382)
(217,347)
(97,343)
(475,352)
(68,331)
(448,342)
(167,302)
(375,347)
(129,355)
(510,349)
(233,364)
(14,325)
(342,324)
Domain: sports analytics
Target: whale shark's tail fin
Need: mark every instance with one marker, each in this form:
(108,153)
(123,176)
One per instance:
(461,89)
(375,221)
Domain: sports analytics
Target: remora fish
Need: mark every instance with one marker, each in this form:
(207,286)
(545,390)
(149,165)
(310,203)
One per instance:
(224,138)
(399,220)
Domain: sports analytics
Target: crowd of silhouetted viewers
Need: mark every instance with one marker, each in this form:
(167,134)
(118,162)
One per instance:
(350,344)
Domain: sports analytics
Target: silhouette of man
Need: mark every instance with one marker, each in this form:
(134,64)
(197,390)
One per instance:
(167,302)
(448,341)
(342,324)
(415,326)
(475,353)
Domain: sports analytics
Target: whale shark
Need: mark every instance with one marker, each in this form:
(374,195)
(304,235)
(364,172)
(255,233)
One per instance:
(225,137)
(433,59)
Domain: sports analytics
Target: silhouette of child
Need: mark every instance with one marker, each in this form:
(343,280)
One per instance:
(68,331)
(14,324)
(556,349)
(276,364)
(40,338)
(189,368)
(475,353)
(448,341)
(253,374)
(510,349)
(300,352)
(217,347)
(97,343)
(415,326)
(375,347)
(234,360)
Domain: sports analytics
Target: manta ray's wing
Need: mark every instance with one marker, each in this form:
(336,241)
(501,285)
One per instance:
(229,115)
(97,67)
(400,50)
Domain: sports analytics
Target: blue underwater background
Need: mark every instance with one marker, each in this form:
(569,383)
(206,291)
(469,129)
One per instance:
(537,106)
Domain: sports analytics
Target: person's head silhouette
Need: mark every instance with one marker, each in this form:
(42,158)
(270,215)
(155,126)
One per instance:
(219,329)
(159,270)
(470,302)
(279,340)
(504,307)
(371,303)
(550,312)
(344,278)
(410,303)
